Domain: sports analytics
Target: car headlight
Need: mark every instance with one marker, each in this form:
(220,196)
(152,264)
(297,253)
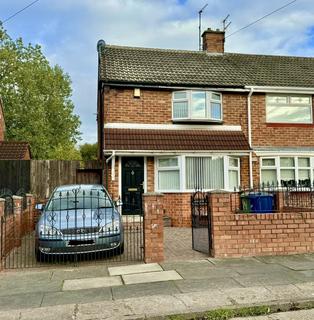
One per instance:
(45,230)
(110,227)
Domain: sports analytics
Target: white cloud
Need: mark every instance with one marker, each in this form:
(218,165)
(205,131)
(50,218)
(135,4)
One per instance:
(69,30)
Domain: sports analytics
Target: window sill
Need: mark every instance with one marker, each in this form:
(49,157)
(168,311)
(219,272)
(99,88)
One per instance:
(287,125)
(197,121)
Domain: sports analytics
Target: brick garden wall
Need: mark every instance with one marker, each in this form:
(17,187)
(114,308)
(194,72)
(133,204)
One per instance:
(16,224)
(239,235)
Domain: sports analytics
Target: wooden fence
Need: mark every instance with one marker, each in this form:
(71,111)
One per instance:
(40,177)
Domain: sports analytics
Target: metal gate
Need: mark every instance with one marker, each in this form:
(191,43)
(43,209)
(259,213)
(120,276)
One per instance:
(201,222)
(75,227)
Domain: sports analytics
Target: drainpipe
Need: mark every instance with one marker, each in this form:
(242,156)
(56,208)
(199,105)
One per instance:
(100,114)
(250,135)
(113,163)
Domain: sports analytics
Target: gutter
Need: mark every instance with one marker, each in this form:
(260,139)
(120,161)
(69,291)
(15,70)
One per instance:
(250,134)
(275,89)
(151,86)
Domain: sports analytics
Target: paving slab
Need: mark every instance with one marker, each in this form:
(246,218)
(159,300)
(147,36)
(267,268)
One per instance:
(304,276)
(64,312)
(137,268)
(258,269)
(76,296)
(151,277)
(159,305)
(206,273)
(145,289)
(113,310)
(250,295)
(99,282)
(21,301)
(179,265)
(28,286)
(205,300)
(207,284)
(286,292)
(10,315)
(82,272)
(271,278)
(234,262)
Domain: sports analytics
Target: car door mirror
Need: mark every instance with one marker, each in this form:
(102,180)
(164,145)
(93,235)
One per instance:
(40,206)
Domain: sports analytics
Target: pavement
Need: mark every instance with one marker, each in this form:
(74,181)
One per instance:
(144,291)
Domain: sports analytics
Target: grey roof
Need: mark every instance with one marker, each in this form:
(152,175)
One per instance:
(120,64)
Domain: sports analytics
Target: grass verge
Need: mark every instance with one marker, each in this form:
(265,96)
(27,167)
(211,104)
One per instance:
(242,312)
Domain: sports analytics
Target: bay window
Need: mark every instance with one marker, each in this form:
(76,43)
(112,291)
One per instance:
(287,171)
(289,108)
(187,173)
(191,105)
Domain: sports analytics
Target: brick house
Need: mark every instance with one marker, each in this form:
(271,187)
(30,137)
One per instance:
(173,120)
(11,150)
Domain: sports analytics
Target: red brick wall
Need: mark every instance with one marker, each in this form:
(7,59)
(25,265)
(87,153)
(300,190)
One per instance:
(238,235)
(154,106)
(266,134)
(177,206)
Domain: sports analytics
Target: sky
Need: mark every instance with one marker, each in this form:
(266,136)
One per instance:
(68,31)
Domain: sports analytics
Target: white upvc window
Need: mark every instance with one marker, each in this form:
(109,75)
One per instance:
(168,174)
(287,170)
(192,105)
(190,172)
(234,173)
(204,173)
(289,108)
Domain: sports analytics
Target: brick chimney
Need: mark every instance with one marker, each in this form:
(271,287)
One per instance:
(213,41)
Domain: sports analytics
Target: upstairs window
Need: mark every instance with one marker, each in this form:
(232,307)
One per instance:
(289,109)
(196,106)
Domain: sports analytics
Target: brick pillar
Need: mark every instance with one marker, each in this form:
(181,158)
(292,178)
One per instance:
(2,201)
(153,227)
(280,201)
(220,206)
(18,208)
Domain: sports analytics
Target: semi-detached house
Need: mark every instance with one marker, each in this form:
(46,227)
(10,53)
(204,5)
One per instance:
(173,120)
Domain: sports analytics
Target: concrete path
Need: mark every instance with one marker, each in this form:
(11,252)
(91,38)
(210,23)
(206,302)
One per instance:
(131,292)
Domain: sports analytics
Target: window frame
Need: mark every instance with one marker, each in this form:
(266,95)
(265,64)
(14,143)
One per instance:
(182,171)
(232,168)
(208,101)
(289,104)
(169,168)
(296,167)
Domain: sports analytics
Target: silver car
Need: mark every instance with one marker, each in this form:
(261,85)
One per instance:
(78,219)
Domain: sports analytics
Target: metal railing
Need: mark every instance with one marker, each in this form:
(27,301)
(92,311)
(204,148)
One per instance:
(268,198)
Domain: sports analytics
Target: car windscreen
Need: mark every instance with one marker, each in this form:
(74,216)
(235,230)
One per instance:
(79,199)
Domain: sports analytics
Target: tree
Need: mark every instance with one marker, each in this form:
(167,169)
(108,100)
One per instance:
(89,151)
(37,99)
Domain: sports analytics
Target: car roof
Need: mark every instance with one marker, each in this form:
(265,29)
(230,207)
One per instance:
(70,187)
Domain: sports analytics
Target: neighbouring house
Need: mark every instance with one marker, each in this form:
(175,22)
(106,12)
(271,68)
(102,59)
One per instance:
(11,150)
(171,121)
